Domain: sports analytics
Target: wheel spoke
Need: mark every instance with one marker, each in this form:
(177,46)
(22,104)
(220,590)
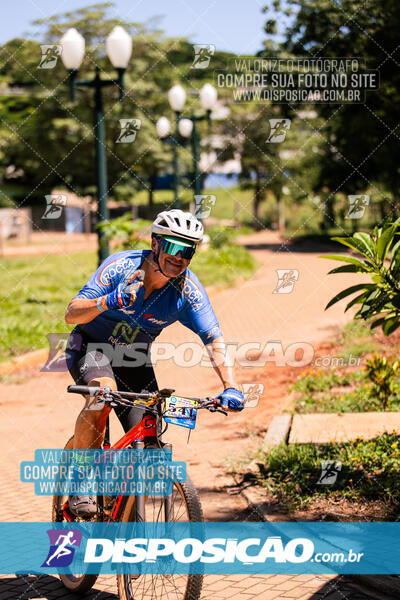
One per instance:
(164,586)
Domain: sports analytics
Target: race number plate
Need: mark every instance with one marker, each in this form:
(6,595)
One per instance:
(181,411)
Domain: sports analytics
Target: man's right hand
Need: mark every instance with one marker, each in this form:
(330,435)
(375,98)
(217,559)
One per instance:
(125,293)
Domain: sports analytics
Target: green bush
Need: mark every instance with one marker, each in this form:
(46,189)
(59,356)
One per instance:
(125,232)
(379,300)
(369,470)
(383,373)
(221,236)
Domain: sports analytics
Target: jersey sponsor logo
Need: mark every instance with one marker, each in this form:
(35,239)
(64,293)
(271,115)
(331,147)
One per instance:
(192,293)
(157,321)
(125,331)
(149,317)
(215,331)
(115,268)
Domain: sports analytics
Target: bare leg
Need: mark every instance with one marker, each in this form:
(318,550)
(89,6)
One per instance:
(90,424)
(89,433)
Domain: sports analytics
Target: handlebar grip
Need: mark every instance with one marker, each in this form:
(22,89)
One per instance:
(82,389)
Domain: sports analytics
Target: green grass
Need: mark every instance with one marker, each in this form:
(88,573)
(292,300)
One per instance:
(303,219)
(369,470)
(223,266)
(329,391)
(320,381)
(333,390)
(356,340)
(359,399)
(224,208)
(36,291)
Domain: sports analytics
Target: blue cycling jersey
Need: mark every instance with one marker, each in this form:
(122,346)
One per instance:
(182,299)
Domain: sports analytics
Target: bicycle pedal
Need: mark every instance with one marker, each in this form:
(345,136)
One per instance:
(109,502)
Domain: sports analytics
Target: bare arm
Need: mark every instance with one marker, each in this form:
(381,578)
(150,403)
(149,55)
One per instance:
(83,310)
(217,353)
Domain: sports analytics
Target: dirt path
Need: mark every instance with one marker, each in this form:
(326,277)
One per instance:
(48,243)
(39,413)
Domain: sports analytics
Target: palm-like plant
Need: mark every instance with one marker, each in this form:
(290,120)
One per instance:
(380,254)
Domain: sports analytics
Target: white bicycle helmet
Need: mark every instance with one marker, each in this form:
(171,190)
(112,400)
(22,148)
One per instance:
(179,224)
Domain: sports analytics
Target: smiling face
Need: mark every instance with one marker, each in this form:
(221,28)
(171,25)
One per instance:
(171,266)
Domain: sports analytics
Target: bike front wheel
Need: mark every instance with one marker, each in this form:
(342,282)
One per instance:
(184,506)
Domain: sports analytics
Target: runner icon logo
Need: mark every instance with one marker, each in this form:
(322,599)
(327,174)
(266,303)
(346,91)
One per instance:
(202,55)
(203,205)
(357,205)
(278,130)
(50,54)
(330,470)
(129,129)
(252,393)
(286,280)
(61,552)
(54,206)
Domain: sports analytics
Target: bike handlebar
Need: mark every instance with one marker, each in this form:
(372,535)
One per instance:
(110,395)
(98,390)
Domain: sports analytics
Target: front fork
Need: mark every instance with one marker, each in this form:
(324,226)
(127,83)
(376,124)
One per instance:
(168,499)
(140,500)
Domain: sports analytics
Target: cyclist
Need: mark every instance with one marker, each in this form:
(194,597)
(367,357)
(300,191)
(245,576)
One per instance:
(131,297)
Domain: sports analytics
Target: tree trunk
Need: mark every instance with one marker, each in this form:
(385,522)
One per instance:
(152,183)
(393,203)
(281,213)
(257,201)
(328,220)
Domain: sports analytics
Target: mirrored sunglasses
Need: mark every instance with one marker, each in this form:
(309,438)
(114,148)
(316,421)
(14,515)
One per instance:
(173,247)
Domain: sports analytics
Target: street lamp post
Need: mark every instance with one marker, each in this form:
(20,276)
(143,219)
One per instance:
(183,129)
(187,127)
(119,49)
(163,127)
(208,98)
(176,99)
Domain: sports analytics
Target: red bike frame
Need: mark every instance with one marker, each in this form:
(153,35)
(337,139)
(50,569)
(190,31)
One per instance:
(146,428)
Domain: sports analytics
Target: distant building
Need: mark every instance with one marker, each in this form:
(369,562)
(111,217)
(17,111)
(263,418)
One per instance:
(15,223)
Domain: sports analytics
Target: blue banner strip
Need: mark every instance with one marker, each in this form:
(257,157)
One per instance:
(210,548)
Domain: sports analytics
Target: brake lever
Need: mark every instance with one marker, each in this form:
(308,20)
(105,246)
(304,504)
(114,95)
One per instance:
(107,397)
(216,408)
(221,410)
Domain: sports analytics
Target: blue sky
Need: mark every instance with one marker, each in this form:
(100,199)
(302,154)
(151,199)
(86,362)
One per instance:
(234,25)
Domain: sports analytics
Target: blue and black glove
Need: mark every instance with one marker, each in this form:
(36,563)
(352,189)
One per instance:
(232,399)
(125,293)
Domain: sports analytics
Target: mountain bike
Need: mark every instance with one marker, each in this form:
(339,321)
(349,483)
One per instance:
(182,504)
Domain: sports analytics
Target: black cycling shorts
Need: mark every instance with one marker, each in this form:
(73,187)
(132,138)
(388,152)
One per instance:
(85,365)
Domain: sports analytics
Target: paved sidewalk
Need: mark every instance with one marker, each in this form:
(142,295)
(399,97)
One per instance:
(323,428)
(216,587)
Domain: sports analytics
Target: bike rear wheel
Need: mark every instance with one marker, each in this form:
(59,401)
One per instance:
(185,506)
(75,583)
